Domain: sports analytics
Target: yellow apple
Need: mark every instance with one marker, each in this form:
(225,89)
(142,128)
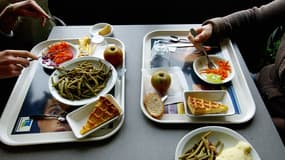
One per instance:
(114,55)
(161,81)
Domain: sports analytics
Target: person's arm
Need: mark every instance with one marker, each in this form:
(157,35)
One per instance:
(9,15)
(272,14)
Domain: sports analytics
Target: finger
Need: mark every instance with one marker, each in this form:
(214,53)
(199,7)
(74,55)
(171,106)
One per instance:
(11,70)
(207,48)
(31,13)
(202,37)
(21,62)
(29,8)
(199,30)
(44,21)
(39,9)
(22,53)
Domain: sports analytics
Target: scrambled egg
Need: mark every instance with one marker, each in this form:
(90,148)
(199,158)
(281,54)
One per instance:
(241,151)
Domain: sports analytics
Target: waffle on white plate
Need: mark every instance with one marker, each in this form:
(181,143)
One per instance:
(104,110)
(199,106)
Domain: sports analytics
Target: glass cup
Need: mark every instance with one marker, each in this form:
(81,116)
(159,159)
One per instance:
(160,55)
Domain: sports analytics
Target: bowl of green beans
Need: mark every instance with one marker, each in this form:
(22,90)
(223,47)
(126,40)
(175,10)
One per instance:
(81,80)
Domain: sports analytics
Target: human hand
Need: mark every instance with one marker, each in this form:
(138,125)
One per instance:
(12,62)
(203,34)
(29,8)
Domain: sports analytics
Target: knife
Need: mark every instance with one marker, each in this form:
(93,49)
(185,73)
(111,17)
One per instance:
(180,45)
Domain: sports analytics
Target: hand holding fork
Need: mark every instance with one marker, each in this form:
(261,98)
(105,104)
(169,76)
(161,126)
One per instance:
(200,47)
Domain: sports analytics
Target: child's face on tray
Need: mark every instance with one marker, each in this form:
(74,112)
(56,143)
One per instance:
(53,107)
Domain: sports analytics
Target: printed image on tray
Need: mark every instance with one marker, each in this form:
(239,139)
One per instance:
(40,112)
(183,57)
(44,115)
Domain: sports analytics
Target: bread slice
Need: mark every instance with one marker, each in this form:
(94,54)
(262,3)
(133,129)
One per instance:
(154,105)
(200,106)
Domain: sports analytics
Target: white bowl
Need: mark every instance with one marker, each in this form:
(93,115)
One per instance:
(201,63)
(77,118)
(71,64)
(94,30)
(48,63)
(220,96)
(226,136)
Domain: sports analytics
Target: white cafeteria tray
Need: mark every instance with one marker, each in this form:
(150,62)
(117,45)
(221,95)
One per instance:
(243,99)
(10,114)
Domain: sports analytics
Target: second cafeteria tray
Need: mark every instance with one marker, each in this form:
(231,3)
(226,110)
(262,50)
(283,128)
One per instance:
(174,113)
(31,93)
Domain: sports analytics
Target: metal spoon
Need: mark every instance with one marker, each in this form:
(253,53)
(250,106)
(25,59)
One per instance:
(60,118)
(177,39)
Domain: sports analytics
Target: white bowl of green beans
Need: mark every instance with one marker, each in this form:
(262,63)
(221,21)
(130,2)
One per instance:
(81,80)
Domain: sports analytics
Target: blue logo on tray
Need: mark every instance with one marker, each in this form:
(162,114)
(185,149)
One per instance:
(24,125)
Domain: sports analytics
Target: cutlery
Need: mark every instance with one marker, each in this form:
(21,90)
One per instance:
(211,65)
(164,98)
(60,118)
(180,45)
(30,59)
(177,39)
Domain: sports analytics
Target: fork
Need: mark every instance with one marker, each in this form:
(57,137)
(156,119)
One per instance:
(211,65)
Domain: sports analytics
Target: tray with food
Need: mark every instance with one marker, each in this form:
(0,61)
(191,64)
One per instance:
(69,75)
(174,71)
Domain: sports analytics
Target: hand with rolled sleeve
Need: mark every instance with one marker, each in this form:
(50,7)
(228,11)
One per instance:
(12,62)
(27,8)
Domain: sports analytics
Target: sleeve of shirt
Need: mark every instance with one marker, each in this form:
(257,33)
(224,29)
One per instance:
(272,14)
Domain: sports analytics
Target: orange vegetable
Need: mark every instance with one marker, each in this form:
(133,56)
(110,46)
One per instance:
(223,69)
(60,52)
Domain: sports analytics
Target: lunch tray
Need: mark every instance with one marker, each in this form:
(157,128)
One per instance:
(31,86)
(175,113)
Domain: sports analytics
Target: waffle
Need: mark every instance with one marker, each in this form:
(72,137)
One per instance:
(200,106)
(104,110)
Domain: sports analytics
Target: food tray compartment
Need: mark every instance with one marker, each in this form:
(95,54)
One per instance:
(183,57)
(31,90)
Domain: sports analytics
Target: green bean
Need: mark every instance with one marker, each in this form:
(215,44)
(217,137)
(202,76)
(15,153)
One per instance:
(203,150)
(83,81)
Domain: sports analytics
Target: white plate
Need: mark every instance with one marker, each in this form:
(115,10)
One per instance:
(77,118)
(71,64)
(201,63)
(94,30)
(227,136)
(220,96)
(49,64)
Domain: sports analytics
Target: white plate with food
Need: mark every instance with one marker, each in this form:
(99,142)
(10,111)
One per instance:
(208,103)
(103,29)
(93,116)
(223,73)
(227,142)
(56,53)
(82,80)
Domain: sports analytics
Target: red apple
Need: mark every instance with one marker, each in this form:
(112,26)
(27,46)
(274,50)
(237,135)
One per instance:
(161,81)
(114,55)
